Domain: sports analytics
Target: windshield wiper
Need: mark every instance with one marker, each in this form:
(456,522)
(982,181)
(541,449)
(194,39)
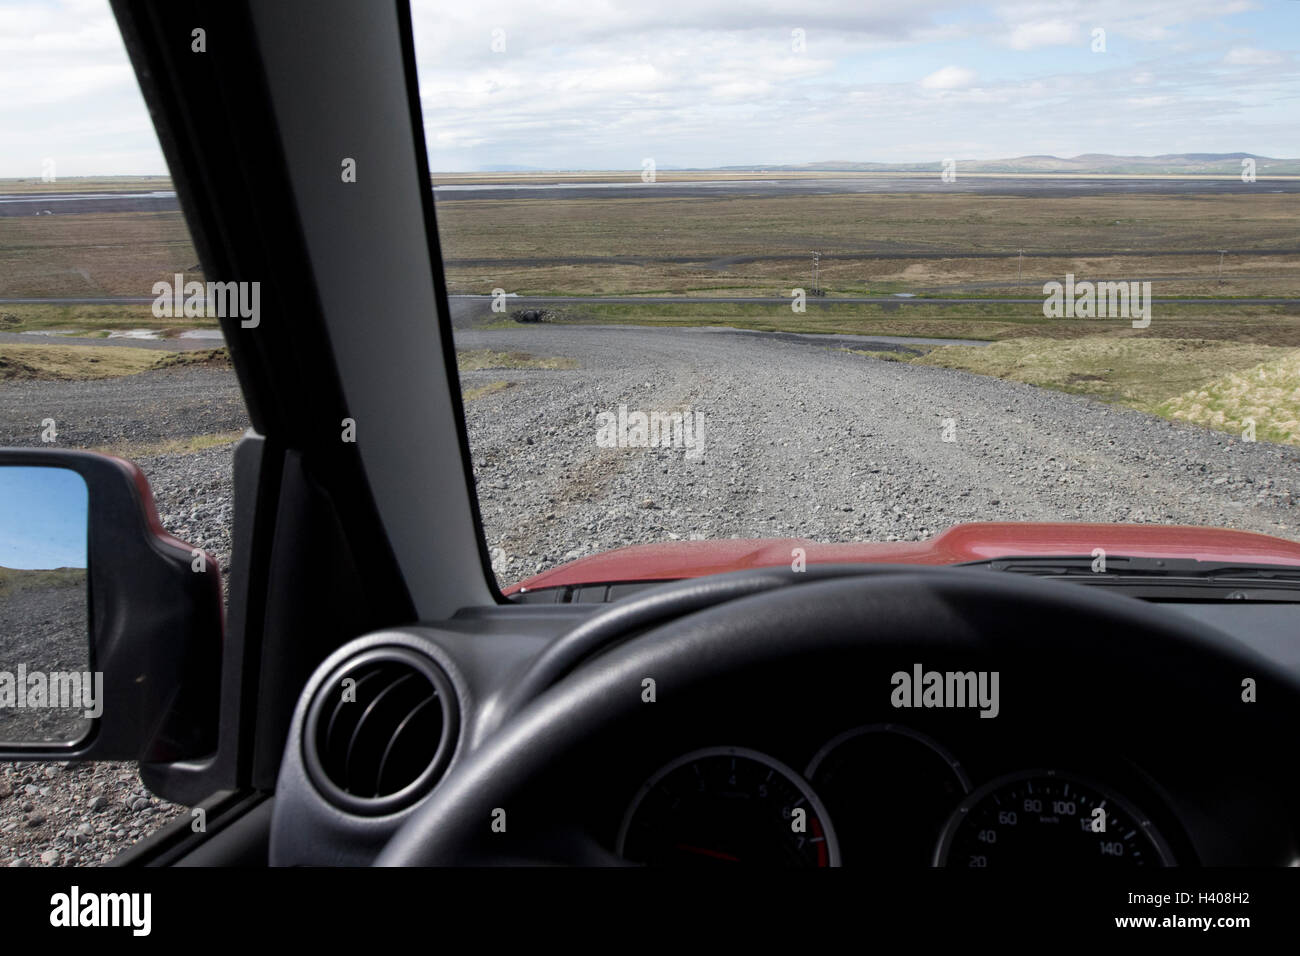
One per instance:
(1123,566)
(1162,577)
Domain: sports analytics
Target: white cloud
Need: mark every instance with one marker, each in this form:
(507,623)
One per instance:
(1031,36)
(949,78)
(1249,56)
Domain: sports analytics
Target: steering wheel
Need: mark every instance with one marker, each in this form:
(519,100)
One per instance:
(1059,647)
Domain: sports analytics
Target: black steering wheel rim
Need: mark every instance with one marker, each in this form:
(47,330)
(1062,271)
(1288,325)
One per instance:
(935,612)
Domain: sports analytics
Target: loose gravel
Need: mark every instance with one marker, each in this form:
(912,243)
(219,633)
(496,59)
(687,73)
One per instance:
(800,441)
(812,442)
(63,814)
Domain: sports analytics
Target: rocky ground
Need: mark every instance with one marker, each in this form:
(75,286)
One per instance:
(63,814)
(44,627)
(799,440)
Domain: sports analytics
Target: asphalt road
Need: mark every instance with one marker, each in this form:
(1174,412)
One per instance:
(544,300)
(468,309)
(64,203)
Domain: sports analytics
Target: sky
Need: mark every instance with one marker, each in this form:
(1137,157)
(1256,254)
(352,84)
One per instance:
(44,515)
(599,84)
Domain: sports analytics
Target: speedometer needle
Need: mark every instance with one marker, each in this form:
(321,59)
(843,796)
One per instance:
(705,851)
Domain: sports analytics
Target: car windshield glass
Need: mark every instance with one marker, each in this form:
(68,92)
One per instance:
(861,272)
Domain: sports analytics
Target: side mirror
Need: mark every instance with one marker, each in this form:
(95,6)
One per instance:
(110,628)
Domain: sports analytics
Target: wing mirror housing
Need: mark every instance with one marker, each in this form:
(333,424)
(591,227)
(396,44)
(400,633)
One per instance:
(110,628)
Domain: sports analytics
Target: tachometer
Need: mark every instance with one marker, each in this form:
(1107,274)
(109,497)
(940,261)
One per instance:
(727,806)
(1046,818)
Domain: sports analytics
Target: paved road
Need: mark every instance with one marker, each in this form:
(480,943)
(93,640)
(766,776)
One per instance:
(916,255)
(63,203)
(467,309)
(542,300)
(167,345)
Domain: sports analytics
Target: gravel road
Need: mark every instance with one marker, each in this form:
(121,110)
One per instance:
(813,442)
(799,440)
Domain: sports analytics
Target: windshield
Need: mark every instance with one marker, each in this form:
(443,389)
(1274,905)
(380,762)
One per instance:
(852,272)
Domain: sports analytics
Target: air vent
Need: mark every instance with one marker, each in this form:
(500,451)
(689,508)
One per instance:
(380,731)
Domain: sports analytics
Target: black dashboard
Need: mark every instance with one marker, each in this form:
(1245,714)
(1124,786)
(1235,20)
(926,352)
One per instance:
(820,759)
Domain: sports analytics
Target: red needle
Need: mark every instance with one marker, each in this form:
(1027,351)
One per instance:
(705,851)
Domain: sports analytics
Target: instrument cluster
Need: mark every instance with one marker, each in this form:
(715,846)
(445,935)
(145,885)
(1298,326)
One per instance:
(880,795)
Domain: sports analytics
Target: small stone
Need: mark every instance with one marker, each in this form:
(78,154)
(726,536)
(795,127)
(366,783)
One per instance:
(99,803)
(49,857)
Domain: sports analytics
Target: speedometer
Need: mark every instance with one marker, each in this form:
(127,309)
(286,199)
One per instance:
(727,806)
(1045,818)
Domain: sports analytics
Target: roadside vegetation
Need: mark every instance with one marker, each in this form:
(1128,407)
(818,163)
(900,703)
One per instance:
(171,446)
(94,321)
(39,361)
(477,360)
(14,580)
(1217,384)
(1265,395)
(72,362)
(473,392)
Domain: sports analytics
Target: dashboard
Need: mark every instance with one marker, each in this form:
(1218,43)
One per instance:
(1115,745)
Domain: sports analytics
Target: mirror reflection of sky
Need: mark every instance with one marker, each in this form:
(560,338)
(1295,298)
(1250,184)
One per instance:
(43,517)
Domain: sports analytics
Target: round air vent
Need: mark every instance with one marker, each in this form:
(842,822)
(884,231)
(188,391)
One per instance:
(380,730)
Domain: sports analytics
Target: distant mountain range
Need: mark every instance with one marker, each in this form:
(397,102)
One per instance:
(1171,164)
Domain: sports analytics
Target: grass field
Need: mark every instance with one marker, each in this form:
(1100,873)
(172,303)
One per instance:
(941,244)
(957,243)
